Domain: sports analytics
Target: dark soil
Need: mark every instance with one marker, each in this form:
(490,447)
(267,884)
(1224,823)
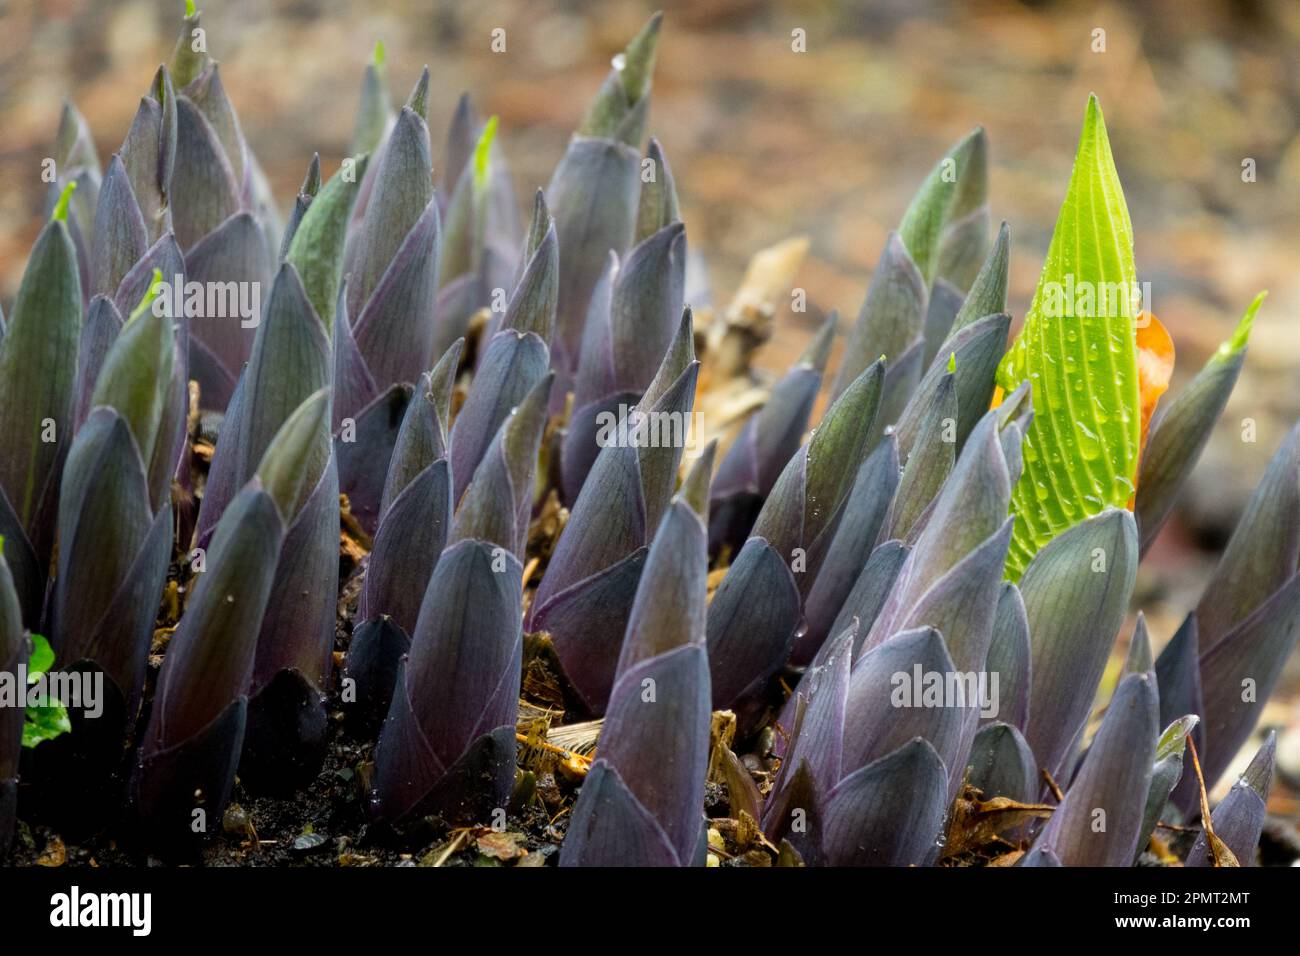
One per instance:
(323,824)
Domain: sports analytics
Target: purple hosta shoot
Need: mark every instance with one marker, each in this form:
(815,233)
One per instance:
(393,256)
(384,329)
(1246,624)
(861,783)
(767,441)
(291,362)
(595,189)
(186,764)
(1238,820)
(224,218)
(640,804)
(76,161)
(943,232)
(839,588)
(415,520)
(1180,430)
(115,530)
(586,595)
(634,311)
(448,745)
(1100,820)
(38,370)
(480,250)
(14,651)
(754,617)
(516,357)
(286,735)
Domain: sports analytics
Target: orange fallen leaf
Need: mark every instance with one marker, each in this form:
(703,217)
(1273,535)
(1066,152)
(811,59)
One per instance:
(1155,363)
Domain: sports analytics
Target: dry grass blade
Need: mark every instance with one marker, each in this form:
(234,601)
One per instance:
(1219,852)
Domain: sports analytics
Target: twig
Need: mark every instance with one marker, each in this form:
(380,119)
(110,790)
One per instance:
(1220,855)
(580,761)
(1051,785)
(452,847)
(530,568)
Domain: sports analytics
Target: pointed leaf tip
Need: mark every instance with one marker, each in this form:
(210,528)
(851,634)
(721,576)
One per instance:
(1242,332)
(146,302)
(379,55)
(1174,738)
(311,182)
(483,153)
(639,59)
(538,227)
(60,213)
(418,101)
(1258,775)
(818,351)
(680,355)
(695,487)
(988,292)
(944,193)
(190,9)
(286,467)
(1139,659)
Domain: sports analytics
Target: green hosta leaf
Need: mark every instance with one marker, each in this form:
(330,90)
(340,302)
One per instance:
(43,721)
(619,110)
(38,367)
(1078,349)
(1174,738)
(137,371)
(317,247)
(954,187)
(295,457)
(42,657)
(483,155)
(187,62)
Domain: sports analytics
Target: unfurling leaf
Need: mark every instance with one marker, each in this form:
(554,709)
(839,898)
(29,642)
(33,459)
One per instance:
(1078,351)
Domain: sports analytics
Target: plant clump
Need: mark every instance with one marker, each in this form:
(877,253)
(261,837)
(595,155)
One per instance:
(504,506)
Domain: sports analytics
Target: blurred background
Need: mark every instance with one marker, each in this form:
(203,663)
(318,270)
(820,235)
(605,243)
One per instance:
(766,143)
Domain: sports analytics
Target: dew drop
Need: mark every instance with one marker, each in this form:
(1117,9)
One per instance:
(1099,410)
(1089,444)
